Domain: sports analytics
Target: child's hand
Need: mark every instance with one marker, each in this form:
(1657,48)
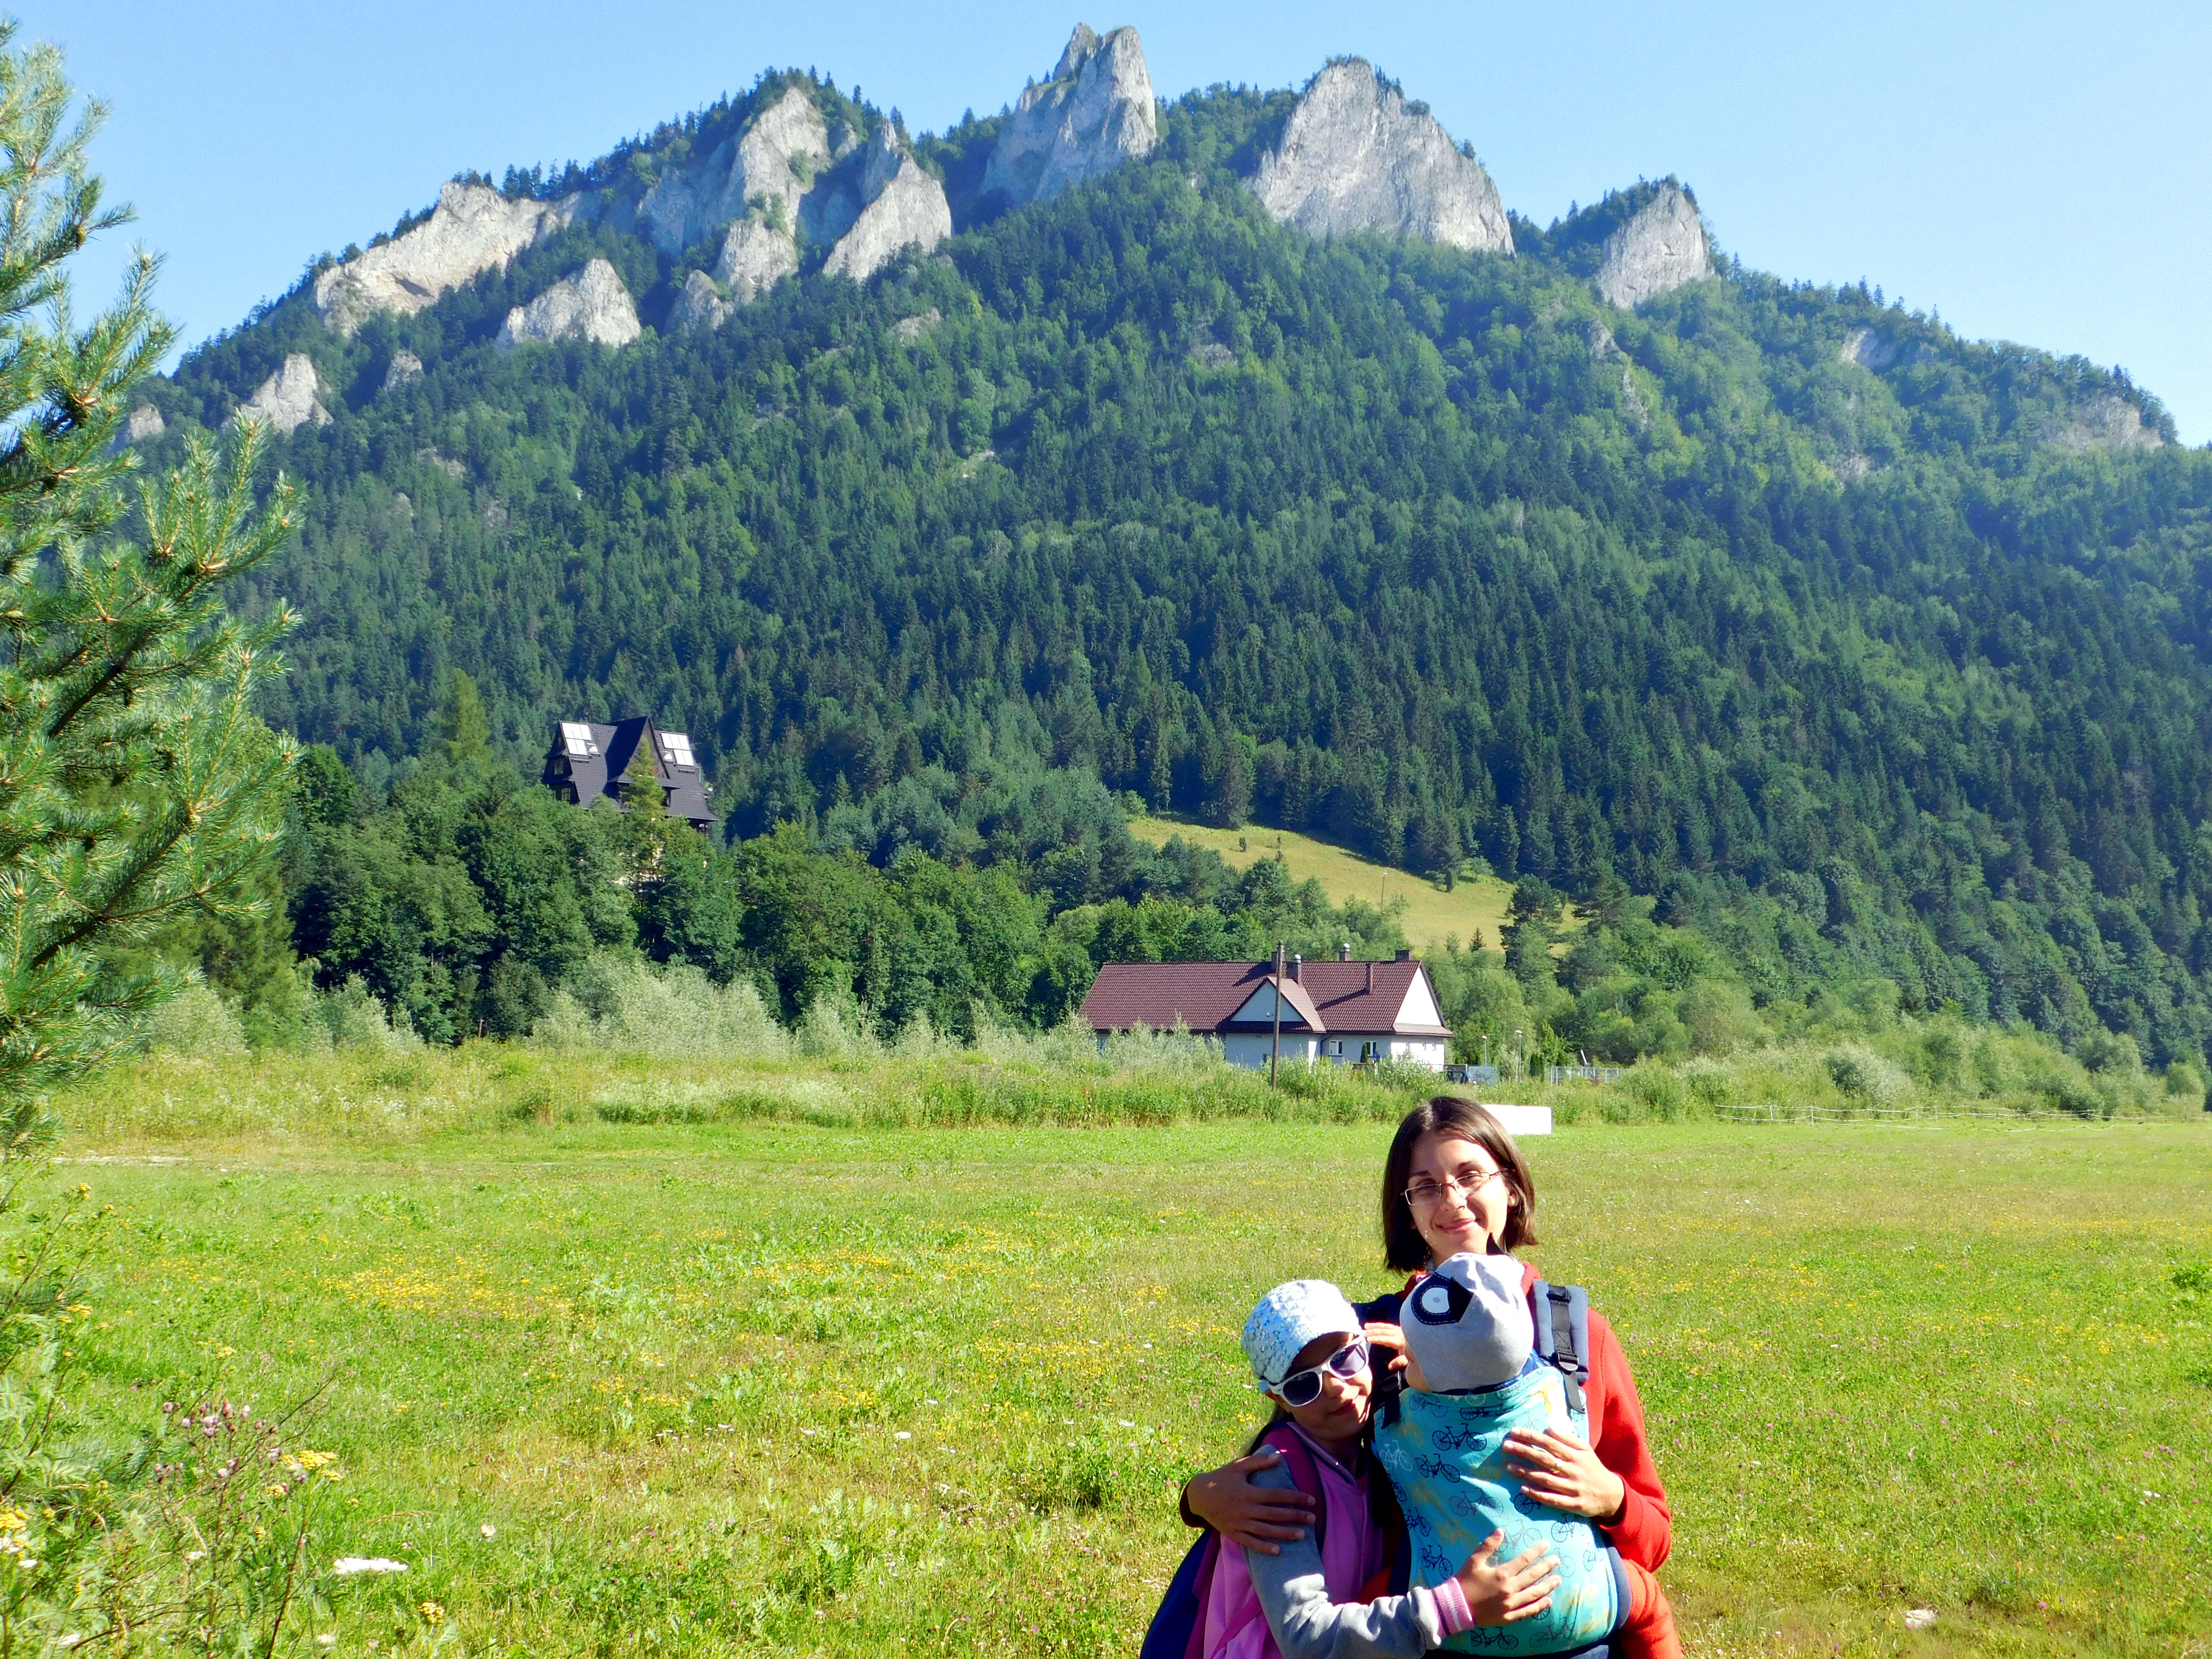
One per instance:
(1559,1467)
(1501,1593)
(1246,1515)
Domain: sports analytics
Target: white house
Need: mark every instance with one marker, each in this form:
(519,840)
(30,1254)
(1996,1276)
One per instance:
(1342,1011)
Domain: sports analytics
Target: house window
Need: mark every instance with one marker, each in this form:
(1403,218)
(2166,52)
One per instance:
(576,738)
(676,749)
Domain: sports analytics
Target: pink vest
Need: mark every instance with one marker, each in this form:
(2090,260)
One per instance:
(1353,1551)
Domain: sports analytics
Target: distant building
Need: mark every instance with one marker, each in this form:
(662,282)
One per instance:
(588,762)
(1342,1011)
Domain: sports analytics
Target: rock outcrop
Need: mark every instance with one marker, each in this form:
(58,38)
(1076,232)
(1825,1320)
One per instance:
(592,305)
(770,165)
(904,206)
(1096,113)
(1356,156)
(141,423)
(755,258)
(288,399)
(908,330)
(1662,246)
(701,305)
(405,366)
(473,229)
(1870,350)
(2108,422)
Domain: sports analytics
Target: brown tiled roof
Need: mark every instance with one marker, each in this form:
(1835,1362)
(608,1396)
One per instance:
(1349,999)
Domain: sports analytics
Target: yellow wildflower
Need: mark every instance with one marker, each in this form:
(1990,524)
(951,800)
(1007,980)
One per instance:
(432,1614)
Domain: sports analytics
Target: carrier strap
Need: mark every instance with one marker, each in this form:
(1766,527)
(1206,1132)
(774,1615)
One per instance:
(1563,1335)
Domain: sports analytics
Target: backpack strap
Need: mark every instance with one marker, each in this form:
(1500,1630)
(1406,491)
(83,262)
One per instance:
(1305,1474)
(1562,1318)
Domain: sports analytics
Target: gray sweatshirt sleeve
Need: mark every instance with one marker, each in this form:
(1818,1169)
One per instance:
(1307,1624)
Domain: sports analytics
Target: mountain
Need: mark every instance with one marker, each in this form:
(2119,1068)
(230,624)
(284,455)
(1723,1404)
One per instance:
(1244,451)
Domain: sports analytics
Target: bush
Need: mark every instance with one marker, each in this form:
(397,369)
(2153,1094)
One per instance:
(352,1016)
(1865,1075)
(1659,1090)
(2185,1084)
(677,1012)
(196,1023)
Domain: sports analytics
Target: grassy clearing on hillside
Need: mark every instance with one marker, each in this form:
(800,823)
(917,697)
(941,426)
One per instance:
(773,1385)
(1431,917)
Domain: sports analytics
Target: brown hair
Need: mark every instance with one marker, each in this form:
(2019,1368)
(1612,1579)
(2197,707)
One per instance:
(1404,1249)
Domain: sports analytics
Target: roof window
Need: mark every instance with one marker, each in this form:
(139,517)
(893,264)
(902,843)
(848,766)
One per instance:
(576,738)
(677,748)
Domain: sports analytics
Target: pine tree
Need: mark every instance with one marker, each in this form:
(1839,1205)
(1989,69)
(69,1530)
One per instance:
(137,785)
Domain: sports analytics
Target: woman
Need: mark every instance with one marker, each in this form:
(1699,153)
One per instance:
(1454,1183)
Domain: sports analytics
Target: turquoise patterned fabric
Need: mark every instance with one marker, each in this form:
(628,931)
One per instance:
(1445,1455)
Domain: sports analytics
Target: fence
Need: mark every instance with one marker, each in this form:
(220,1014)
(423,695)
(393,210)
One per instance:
(1812,1114)
(1584,1074)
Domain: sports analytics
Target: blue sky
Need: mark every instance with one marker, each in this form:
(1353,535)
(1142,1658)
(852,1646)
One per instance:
(2034,172)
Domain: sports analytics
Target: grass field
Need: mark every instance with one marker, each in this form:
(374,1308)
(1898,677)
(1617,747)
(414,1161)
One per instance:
(767,1387)
(1432,914)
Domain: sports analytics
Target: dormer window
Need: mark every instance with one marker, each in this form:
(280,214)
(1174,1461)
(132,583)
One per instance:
(675,749)
(576,738)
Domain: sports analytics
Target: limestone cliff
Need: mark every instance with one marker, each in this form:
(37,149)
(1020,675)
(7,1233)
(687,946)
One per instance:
(771,165)
(2108,422)
(1096,113)
(141,423)
(405,366)
(1356,156)
(592,305)
(1662,246)
(288,399)
(905,207)
(473,229)
(700,305)
(755,258)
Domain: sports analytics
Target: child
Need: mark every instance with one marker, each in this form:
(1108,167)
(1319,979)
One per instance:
(1317,1599)
(1473,1377)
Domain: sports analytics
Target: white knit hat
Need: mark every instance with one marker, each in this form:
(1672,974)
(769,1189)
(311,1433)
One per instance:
(1467,1323)
(1290,1317)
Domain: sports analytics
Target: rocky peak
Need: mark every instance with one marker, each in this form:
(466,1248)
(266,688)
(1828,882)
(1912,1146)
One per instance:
(699,304)
(1096,113)
(1660,247)
(904,206)
(772,164)
(592,305)
(1356,156)
(288,399)
(473,229)
(405,366)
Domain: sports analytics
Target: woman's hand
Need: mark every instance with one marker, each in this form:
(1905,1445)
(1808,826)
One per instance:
(1499,1593)
(1559,1467)
(1227,1501)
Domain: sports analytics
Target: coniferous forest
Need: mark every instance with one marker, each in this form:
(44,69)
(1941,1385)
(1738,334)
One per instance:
(1854,674)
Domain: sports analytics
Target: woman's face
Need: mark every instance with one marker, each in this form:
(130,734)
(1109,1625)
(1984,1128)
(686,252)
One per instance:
(1468,1214)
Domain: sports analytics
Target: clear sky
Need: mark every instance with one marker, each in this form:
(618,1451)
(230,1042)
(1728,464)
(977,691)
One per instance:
(2034,171)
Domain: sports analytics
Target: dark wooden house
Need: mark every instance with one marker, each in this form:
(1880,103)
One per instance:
(588,761)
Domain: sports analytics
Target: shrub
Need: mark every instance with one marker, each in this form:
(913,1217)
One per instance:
(196,1023)
(1861,1073)
(675,1012)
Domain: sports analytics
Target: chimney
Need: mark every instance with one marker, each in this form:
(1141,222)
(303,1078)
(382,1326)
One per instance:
(1405,956)
(1344,952)
(1370,979)
(1297,962)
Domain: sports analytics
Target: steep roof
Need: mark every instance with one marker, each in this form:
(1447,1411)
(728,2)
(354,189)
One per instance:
(588,760)
(1338,998)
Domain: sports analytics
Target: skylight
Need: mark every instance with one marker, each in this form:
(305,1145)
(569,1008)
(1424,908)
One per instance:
(678,748)
(576,738)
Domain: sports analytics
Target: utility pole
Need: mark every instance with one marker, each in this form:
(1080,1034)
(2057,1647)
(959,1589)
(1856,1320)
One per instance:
(1275,1043)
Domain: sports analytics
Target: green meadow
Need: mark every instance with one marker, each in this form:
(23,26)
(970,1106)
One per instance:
(687,1358)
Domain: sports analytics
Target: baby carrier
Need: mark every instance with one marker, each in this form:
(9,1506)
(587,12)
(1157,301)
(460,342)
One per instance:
(1445,1455)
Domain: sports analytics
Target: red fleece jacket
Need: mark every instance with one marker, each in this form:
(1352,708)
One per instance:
(1644,1530)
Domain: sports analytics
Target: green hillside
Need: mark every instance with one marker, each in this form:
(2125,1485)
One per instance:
(1864,671)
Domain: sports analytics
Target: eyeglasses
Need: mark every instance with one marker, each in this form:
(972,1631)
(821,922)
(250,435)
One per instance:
(1304,1388)
(1466,1183)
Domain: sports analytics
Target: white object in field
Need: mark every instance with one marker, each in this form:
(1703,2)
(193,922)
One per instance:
(346,1565)
(1521,1120)
(1919,1617)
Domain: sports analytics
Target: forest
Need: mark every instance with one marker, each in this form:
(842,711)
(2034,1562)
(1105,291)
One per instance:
(1853,673)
